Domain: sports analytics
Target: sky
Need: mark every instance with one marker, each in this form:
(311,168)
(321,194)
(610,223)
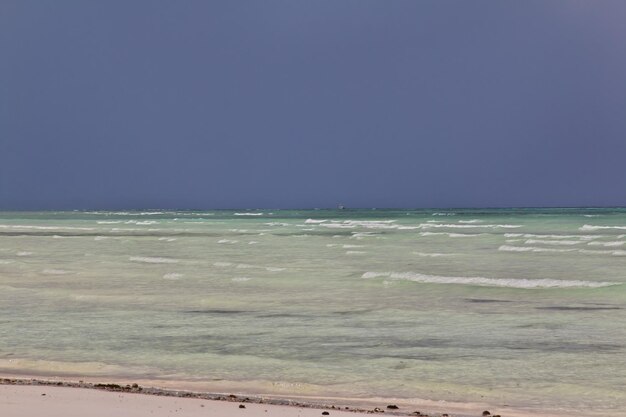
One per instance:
(295,104)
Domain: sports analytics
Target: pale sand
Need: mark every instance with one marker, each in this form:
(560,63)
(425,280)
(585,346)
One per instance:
(22,397)
(29,401)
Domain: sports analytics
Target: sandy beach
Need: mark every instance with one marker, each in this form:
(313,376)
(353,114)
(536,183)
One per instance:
(29,401)
(21,397)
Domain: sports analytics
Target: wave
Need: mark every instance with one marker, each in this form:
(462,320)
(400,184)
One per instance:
(553,242)
(607,244)
(241,279)
(444,214)
(173,276)
(433,254)
(55,272)
(227,241)
(248,214)
(539,236)
(274,269)
(153,260)
(590,227)
(468,226)
(24,253)
(355,252)
(523,283)
(508,248)
(312,221)
(22,226)
(471,221)
(603,252)
(222,264)
(451,234)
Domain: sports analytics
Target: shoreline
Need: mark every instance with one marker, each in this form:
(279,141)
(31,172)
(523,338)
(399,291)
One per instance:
(353,406)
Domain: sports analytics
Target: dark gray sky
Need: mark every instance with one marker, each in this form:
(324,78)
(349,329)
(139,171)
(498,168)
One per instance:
(214,104)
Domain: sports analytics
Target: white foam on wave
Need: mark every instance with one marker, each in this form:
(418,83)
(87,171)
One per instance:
(540,236)
(433,254)
(227,241)
(468,226)
(313,221)
(173,276)
(589,227)
(252,242)
(24,253)
(6,261)
(241,279)
(222,264)
(451,234)
(355,252)
(444,214)
(352,246)
(167,239)
(607,244)
(153,260)
(359,236)
(248,214)
(109,221)
(508,248)
(471,221)
(274,269)
(552,242)
(55,272)
(29,227)
(522,283)
(100,238)
(366,224)
(604,252)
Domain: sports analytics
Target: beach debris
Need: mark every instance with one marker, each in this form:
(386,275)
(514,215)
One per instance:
(242,406)
(325,413)
(43,394)
(392,407)
(486,413)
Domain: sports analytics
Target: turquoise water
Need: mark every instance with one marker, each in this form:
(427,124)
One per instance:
(518,307)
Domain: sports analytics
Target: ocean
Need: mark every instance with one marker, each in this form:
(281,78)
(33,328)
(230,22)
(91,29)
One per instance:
(516,307)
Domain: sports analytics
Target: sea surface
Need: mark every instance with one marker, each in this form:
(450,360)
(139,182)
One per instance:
(518,307)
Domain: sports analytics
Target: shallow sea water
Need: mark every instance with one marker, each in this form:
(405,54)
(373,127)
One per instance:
(518,307)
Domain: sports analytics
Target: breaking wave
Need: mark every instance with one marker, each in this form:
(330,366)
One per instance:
(153,260)
(489,282)
(590,227)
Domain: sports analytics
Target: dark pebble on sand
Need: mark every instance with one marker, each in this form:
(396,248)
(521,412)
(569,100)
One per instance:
(325,413)
(486,413)
(43,394)
(392,407)
(242,406)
